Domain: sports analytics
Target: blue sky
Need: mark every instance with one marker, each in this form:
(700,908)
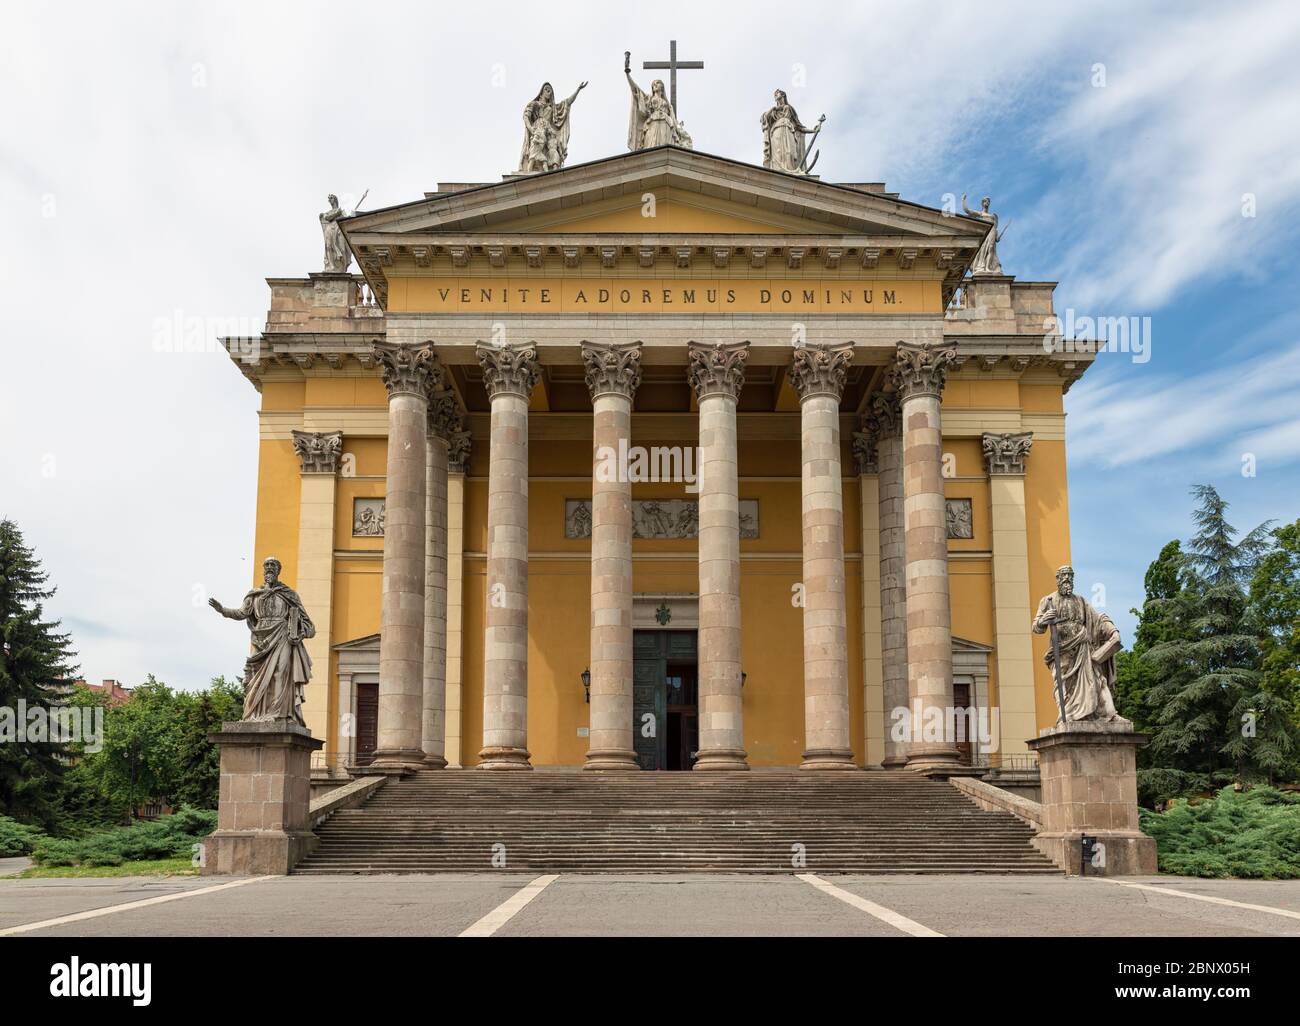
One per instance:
(166,158)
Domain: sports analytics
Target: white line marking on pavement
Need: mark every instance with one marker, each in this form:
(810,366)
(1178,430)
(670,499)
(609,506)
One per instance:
(95,913)
(509,908)
(1207,897)
(885,915)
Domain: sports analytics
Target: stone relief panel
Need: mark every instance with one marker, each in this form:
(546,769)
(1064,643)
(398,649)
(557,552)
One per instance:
(960,524)
(367,518)
(658,518)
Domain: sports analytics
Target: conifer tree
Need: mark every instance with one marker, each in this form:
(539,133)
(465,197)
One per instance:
(36,669)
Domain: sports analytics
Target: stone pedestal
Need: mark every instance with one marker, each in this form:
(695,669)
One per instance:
(1089,787)
(262,813)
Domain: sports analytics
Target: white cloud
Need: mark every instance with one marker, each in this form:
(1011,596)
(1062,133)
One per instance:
(184,153)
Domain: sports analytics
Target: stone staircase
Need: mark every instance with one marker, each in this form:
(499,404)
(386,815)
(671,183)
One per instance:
(572,822)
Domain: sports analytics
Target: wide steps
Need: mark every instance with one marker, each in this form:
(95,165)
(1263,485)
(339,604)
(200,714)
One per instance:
(877,822)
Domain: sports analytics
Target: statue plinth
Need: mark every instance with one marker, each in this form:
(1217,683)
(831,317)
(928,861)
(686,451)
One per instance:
(263,827)
(1089,788)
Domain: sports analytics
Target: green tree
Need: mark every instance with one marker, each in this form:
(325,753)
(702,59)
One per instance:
(198,762)
(36,661)
(1205,684)
(1275,609)
(1133,674)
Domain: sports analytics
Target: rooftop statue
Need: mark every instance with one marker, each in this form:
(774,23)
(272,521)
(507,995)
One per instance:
(651,121)
(546,131)
(986,257)
(784,147)
(337,254)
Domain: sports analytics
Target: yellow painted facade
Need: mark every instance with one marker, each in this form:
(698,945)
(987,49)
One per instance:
(323,396)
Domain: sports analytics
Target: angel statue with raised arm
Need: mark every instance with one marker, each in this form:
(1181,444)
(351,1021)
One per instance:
(651,121)
(546,131)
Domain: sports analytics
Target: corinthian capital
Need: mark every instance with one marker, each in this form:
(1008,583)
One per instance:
(410,369)
(319,450)
(717,369)
(458,452)
(864,447)
(820,370)
(1005,454)
(886,415)
(921,369)
(444,418)
(612,367)
(508,370)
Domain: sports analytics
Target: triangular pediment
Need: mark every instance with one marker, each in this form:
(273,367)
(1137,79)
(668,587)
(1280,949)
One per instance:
(693,193)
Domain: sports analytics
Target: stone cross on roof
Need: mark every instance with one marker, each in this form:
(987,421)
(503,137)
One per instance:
(672,64)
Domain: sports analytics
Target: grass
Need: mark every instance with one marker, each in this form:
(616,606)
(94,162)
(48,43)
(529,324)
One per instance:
(176,866)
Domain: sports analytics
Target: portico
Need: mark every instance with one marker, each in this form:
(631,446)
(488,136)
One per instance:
(807,363)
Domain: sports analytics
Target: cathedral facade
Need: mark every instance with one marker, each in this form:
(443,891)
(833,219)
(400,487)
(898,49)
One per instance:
(666,462)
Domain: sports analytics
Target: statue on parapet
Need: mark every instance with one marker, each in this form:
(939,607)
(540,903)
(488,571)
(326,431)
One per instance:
(986,257)
(1082,653)
(277,672)
(337,254)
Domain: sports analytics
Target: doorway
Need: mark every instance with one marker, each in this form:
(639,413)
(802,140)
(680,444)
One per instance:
(665,699)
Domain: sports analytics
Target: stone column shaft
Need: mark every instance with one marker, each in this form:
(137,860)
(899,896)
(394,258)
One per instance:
(613,373)
(818,375)
(443,420)
(717,374)
(893,591)
(920,372)
(509,374)
(873,690)
(409,373)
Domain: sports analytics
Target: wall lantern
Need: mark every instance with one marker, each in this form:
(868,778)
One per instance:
(586,685)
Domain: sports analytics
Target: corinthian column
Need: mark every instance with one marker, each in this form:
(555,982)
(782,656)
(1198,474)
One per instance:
(509,374)
(1006,456)
(919,372)
(443,421)
(410,374)
(886,417)
(818,374)
(613,373)
(717,373)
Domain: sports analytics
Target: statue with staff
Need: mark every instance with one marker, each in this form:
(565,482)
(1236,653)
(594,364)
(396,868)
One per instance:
(1082,655)
(337,254)
(784,146)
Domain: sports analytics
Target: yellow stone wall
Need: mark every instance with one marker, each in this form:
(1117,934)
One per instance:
(559,569)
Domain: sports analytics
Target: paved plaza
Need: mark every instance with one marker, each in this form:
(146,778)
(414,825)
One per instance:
(526,905)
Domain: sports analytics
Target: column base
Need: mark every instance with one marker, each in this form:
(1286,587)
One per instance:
(938,760)
(615,759)
(435,762)
(720,759)
(893,762)
(828,759)
(504,759)
(397,760)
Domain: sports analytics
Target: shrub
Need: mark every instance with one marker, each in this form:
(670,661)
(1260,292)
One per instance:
(1252,834)
(17,838)
(163,838)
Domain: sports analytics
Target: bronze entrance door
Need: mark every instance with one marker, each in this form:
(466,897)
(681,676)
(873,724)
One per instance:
(665,699)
